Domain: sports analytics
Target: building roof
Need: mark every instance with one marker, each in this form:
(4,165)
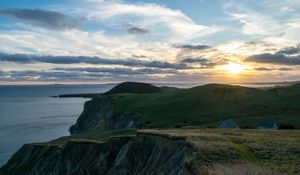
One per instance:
(229,123)
(267,124)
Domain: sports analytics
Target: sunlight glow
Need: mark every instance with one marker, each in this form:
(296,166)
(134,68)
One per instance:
(234,68)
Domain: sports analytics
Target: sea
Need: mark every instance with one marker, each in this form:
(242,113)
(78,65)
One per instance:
(29,113)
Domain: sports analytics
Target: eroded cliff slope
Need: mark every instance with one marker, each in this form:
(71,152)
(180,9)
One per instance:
(132,155)
(195,151)
(99,113)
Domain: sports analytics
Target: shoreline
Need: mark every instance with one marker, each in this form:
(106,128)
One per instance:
(86,95)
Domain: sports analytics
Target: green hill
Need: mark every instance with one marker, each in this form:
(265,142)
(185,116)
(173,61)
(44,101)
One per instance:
(208,105)
(203,106)
(133,87)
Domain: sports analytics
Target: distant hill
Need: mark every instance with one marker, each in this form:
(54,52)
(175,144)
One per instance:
(133,87)
(296,85)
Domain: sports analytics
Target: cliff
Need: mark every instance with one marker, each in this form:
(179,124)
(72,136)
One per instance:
(119,155)
(99,113)
(196,151)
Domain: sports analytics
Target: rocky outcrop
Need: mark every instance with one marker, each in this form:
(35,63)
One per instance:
(99,113)
(143,154)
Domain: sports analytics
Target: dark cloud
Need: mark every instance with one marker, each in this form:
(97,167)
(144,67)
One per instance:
(256,43)
(250,43)
(263,69)
(194,47)
(43,18)
(290,50)
(29,75)
(202,61)
(284,68)
(285,56)
(124,71)
(137,30)
(276,58)
(28,58)
(139,56)
(83,74)
(272,69)
(194,60)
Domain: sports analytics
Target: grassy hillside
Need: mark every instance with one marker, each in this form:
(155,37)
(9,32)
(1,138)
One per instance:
(134,87)
(208,105)
(231,151)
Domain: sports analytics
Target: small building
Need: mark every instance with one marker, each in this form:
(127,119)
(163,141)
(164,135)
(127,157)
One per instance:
(267,125)
(229,123)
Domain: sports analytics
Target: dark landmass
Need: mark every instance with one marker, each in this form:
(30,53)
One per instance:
(284,83)
(296,85)
(126,87)
(89,95)
(133,87)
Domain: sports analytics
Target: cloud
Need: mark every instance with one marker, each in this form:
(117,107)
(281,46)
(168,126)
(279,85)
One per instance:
(202,61)
(84,74)
(176,25)
(290,50)
(272,69)
(102,36)
(284,68)
(43,18)
(137,31)
(276,58)
(139,56)
(257,24)
(124,71)
(31,75)
(29,58)
(194,47)
(253,21)
(194,60)
(285,56)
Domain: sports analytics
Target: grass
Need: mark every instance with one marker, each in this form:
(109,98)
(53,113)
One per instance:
(94,135)
(246,153)
(251,150)
(240,169)
(208,105)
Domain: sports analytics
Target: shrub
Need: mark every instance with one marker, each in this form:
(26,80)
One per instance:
(283,126)
(178,126)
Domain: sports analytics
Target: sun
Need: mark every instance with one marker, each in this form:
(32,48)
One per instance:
(234,68)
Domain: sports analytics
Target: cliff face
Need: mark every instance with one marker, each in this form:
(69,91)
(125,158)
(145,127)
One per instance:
(195,151)
(144,154)
(98,113)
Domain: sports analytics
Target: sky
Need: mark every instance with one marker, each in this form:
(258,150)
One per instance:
(162,41)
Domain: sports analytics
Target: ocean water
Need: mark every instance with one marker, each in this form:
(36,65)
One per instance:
(28,115)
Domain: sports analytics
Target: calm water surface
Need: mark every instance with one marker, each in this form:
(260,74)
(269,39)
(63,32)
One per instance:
(27,114)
